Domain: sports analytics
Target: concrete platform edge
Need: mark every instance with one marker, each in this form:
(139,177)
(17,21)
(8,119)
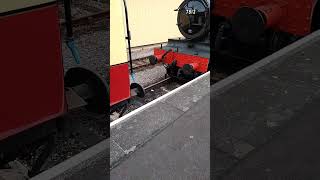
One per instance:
(76,163)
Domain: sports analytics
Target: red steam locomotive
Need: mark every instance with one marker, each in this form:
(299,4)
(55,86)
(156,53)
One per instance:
(248,30)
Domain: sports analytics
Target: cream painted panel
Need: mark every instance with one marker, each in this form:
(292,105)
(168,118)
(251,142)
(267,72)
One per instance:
(118,44)
(152,21)
(9,5)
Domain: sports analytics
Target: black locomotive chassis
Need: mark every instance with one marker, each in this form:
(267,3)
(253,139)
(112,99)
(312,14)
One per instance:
(226,44)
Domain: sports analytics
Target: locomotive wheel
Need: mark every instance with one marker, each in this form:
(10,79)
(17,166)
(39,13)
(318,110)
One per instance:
(248,24)
(153,60)
(91,87)
(188,70)
(172,69)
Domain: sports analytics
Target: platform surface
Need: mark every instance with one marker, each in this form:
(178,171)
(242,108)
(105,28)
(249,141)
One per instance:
(96,171)
(168,140)
(265,117)
(293,154)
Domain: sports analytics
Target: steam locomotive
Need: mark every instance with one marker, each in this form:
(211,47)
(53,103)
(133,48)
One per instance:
(246,31)
(188,57)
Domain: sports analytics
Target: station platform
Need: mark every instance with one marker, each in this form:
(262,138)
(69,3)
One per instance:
(167,139)
(266,117)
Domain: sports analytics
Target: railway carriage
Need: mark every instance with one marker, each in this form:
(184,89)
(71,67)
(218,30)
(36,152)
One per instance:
(35,91)
(121,88)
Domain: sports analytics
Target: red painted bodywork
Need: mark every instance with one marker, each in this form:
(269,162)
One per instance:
(31,72)
(296,15)
(119,83)
(200,63)
(272,12)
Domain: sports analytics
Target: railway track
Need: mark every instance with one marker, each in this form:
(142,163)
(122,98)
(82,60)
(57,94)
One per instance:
(158,84)
(88,19)
(87,15)
(140,64)
(152,92)
(140,55)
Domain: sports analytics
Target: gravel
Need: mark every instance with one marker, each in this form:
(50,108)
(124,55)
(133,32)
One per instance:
(80,8)
(150,75)
(94,52)
(87,130)
(151,95)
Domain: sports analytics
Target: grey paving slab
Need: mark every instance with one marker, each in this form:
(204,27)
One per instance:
(97,171)
(187,97)
(242,149)
(140,128)
(181,151)
(260,135)
(116,152)
(292,154)
(221,162)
